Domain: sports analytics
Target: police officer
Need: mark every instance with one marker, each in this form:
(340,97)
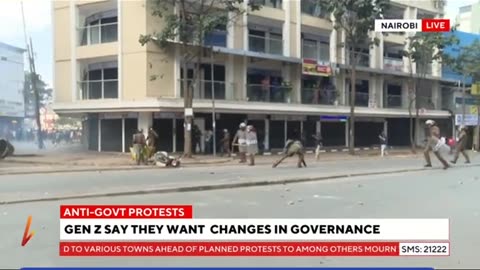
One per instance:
(241,140)
(461,145)
(433,144)
(293,148)
(138,146)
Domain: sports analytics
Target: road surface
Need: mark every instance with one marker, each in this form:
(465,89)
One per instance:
(428,194)
(21,187)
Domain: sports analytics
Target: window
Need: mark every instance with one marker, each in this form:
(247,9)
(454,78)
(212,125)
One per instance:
(218,37)
(100,82)
(269,3)
(100,28)
(313,8)
(316,49)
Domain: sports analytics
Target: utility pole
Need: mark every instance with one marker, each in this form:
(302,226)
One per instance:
(214,117)
(33,78)
(463,101)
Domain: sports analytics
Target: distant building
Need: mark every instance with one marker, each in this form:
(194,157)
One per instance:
(465,18)
(12,102)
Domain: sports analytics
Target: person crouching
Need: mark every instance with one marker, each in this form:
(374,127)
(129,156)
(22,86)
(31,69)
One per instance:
(293,148)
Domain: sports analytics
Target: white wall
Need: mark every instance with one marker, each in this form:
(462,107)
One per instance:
(12,74)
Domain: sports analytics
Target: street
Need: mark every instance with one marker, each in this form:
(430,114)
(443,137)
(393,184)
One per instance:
(40,186)
(426,194)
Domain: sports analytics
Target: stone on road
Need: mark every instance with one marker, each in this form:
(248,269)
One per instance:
(39,186)
(427,194)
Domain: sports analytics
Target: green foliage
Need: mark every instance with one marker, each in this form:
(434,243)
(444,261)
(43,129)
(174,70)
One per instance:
(194,19)
(424,48)
(44,93)
(356,18)
(467,62)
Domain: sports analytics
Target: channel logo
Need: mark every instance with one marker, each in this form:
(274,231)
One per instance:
(425,25)
(27,234)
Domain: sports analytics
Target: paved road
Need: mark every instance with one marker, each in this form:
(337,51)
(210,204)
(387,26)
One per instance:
(435,194)
(19,187)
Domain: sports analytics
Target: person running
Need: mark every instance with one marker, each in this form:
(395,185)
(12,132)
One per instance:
(460,146)
(433,145)
(252,144)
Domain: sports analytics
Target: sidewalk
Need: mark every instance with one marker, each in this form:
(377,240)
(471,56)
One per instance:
(75,156)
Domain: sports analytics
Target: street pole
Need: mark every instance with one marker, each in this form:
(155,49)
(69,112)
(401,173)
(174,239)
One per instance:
(213,105)
(33,78)
(463,102)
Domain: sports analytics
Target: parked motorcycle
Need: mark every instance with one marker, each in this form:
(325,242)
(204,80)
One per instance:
(163,159)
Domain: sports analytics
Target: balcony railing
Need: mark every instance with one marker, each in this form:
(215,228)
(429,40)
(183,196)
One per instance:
(265,45)
(424,69)
(361,99)
(318,96)
(393,64)
(363,59)
(393,101)
(268,93)
(317,52)
(98,33)
(425,103)
(98,89)
(269,3)
(203,88)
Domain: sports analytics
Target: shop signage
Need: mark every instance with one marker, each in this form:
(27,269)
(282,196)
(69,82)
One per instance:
(315,68)
(470,120)
(329,118)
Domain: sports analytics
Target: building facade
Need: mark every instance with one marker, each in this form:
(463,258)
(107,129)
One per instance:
(465,19)
(12,101)
(279,68)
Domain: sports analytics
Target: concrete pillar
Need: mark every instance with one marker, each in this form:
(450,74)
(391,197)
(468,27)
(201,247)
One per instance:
(230,78)
(380,50)
(145,121)
(436,94)
(333,46)
(347,138)
(380,91)
(99,135)
(285,129)
(319,127)
(174,137)
(123,134)
(385,127)
(405,94)
(286,28)
(267,134)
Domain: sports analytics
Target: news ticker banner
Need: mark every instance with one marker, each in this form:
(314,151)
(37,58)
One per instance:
(171,230)
(424,25)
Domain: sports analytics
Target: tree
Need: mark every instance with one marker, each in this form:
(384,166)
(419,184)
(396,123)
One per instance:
(423,49)
(187,29)
(44,92)
(356,20)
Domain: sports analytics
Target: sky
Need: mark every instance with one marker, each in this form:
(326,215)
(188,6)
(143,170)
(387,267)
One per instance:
(38,16)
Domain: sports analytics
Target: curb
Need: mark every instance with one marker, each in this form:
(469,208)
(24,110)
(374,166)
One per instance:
(208,187)
(93,168)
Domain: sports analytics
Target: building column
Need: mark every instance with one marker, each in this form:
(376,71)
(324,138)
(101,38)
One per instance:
(174,133)
(385,127)
(267,135)
(436,94)
(145,121)
(120,50)
(318,127)
(347,138)
(230,78)
(99,134)
(123,134)
(380,91)
(285,129)
(405,94)
(298,36)
(73,50)
(286,28)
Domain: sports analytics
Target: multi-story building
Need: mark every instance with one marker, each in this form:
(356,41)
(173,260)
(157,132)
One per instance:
(466,18)
(280,68)
(12,76)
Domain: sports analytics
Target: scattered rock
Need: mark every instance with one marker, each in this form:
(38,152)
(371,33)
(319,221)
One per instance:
(300,200)
(291,203)
(360,203)
(360,185)
(43,227)
(282,196)
(212,172)
(460,183)
(287,189)
(316,196)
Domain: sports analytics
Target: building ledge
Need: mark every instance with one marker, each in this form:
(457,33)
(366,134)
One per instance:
(224,106)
